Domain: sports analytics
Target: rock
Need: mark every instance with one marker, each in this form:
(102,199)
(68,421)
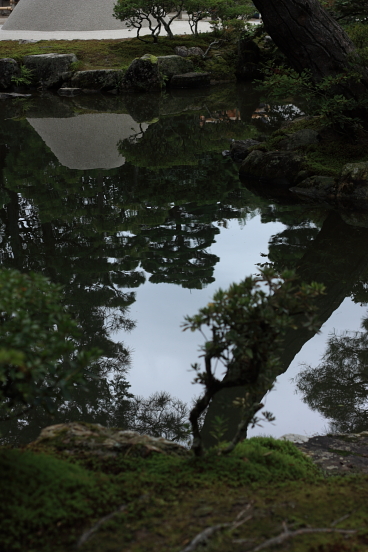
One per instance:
(95,440)
(356,173)
(299,139)
(273,165)
(143,75)
(183,51)
(174,65)
(8,69)
(69,92)
(294,438)
(97,79)
(239,149)
(27,41)
(315,187)
(249,56)
(12,95)
(190,80)
(342,454)
(48,68)
(355,218)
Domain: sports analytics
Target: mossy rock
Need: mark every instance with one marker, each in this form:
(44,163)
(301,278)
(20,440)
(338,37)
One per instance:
(77,437)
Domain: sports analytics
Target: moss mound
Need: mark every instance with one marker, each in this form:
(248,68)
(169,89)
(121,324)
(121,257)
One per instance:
(43,497)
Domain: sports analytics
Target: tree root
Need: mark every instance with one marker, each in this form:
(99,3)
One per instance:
(286,534)
(88,534)
(207,533)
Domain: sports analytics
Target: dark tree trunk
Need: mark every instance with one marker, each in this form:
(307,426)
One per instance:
(310,39)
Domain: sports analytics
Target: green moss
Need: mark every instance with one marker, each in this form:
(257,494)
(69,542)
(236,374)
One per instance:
(43,497)
(108,54)
(50,502)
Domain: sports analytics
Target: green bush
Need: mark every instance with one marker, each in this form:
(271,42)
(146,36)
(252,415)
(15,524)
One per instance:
(42,495)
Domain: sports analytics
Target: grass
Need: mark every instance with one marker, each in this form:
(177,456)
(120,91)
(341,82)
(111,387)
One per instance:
(107,54)
(47,501)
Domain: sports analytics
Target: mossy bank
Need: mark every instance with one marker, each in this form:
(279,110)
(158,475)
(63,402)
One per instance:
(58,495)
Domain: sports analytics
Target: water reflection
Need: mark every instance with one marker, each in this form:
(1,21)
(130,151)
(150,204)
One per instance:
(99,232)
(103,228)
(87,141)
(338,386)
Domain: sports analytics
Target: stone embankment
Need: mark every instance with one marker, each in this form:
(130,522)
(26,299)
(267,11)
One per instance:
(58,71)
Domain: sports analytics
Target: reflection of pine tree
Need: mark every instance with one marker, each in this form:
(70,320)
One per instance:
(177,250)
(338,387)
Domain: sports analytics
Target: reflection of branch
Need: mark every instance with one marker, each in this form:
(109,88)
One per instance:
(286,534)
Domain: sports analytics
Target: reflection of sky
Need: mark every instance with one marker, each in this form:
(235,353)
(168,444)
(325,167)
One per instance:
(163,353)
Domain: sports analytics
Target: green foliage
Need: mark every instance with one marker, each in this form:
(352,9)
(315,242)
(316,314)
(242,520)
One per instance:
(48,502)
(24,78)
(137,13)
(358,32)
(38,357)
(247,323)
(45,495)
(349,11)
(317,99)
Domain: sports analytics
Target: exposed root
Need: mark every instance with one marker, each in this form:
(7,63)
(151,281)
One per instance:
(207,533)
(88,534)
(286,534)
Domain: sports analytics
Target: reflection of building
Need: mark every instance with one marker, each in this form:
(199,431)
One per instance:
(87,141)
(221,116)
(63,15)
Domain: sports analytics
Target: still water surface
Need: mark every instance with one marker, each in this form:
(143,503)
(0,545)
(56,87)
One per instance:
(128,203)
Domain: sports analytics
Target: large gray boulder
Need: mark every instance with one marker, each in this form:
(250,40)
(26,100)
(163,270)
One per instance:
(273,165)
(47,69)
(98,79)
(8,69)
(143,75)
(174,65)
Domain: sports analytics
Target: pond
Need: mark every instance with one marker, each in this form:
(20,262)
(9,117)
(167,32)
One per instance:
(129,203)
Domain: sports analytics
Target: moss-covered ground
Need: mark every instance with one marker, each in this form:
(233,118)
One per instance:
(50,499)
(118,54)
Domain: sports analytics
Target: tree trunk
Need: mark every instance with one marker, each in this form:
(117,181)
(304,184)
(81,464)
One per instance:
(310,39)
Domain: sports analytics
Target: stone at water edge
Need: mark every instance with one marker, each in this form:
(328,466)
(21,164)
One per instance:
(174,65)
(272,165)
(8,69)
(47,69)
(239,149)
(97,79)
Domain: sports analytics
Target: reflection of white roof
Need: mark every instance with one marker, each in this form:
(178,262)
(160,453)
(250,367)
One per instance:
(87,141)
(63,15)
